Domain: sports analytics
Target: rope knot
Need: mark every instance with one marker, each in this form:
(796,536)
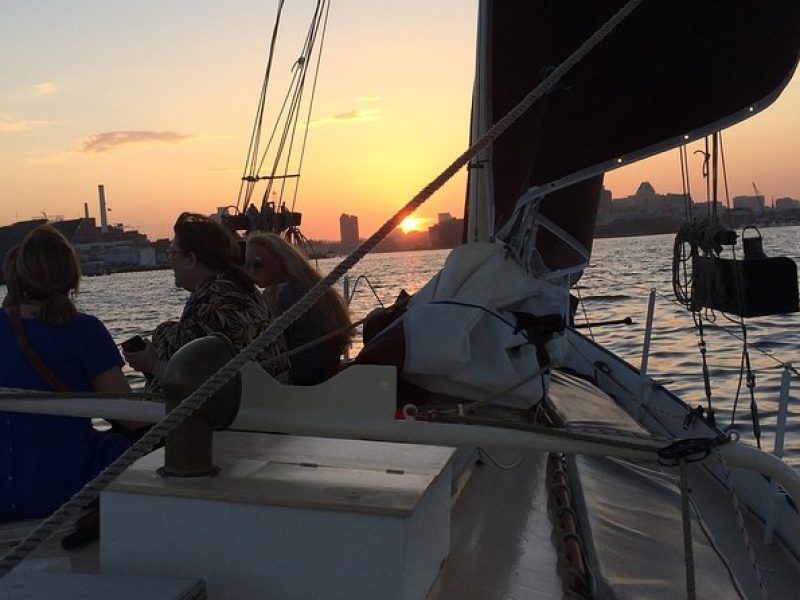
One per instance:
(689,450)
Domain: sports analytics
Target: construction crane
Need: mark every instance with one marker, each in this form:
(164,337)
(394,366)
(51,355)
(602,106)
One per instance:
(758,194)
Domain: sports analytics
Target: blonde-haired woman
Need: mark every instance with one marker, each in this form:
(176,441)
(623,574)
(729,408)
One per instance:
(47,344)
(286,275)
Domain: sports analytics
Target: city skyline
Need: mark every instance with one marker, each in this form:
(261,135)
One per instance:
(156,102)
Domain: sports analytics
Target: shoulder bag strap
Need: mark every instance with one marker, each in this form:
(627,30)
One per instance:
(30,354)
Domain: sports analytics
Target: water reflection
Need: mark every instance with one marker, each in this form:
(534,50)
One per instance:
(615,286)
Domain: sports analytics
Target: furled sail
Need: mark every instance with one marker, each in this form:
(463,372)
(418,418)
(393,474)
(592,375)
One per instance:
(670,72)
(483,329)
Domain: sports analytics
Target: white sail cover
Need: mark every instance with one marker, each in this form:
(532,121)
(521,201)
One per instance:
(461,332)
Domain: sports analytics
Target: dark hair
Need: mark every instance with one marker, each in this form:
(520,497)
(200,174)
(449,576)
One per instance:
(213,245)
(10,275)
(47,270)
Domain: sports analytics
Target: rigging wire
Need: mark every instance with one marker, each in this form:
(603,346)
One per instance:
(283,133)
(286,144)
(246,186)
(690,240)
(725,181)
(706,170)
(750,375)
(296,237)
(311,102)
(687,193)
(583,310)
(715,176)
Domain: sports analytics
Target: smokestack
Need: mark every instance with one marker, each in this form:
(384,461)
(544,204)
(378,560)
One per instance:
(103,219)
(85,210)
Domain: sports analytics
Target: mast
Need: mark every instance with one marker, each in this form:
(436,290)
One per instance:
(480,199)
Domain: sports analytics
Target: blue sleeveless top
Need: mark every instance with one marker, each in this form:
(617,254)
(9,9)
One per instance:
(46,459)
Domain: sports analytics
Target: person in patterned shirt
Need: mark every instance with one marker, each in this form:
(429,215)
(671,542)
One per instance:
(223,299)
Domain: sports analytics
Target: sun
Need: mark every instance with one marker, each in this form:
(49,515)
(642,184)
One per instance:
(411,224)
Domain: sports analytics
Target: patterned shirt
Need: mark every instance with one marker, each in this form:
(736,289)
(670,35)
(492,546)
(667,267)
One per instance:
(220,305)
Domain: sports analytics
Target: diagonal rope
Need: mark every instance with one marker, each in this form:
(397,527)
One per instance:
(751,555)
(686,520)
(214,383)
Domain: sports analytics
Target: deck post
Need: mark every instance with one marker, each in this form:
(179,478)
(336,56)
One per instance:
(644,380)
(780,433)
(346,294)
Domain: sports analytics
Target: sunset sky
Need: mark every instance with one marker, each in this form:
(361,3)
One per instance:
(156,101)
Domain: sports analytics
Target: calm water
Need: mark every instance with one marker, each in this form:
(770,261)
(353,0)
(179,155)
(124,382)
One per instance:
(615,286)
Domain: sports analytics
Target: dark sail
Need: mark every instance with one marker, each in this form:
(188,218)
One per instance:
(684,67)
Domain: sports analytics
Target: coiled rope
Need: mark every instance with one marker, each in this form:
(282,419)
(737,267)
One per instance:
(214,383)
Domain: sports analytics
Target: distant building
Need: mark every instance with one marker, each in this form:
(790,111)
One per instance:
(447,233)
(753,204)
(604,205)
(442,217)
(397,241)
(786,204)
(646,200)
(348,230)
(645,212)
(116,249)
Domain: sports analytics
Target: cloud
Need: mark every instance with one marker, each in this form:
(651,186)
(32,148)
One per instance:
(350,117)
(111,140)
(10,124)
(44,89)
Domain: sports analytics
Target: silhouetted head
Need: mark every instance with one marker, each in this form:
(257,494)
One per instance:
(46,272)
(270,260)
(203,248)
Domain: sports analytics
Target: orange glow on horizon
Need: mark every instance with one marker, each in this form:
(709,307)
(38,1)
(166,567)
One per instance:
(176,140)
(412,224)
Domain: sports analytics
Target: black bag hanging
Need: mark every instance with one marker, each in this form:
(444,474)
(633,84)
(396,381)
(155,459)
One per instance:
(755,286)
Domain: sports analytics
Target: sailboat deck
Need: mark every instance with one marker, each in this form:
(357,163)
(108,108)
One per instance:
(500,538)
(502,541)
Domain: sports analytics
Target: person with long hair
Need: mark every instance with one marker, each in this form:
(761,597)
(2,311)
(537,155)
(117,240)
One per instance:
(47,344)
(286,275)
(222,299)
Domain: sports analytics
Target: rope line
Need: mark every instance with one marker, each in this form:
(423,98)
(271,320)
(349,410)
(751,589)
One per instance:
(27,394)
(686,518)
(741,524)
(214,383)
(506,390)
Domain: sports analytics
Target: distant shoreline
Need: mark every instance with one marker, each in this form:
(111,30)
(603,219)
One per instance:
(128,269)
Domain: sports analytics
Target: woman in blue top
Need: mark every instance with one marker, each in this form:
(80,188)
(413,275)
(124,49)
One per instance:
(46,459)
